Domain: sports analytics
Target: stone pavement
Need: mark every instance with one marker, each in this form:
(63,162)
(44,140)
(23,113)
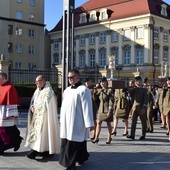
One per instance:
(122,154)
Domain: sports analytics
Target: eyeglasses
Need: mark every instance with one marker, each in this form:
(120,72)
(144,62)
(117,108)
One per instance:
(38,81)
(71,77)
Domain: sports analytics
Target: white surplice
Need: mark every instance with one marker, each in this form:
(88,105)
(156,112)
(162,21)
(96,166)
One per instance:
(76,114)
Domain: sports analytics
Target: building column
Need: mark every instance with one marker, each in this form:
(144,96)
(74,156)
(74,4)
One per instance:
(52,53)
(77,37)
(147,44)
(120,54)
(60,50)
(97,48)
(161,45)
(132,52)
(86,49)
(108,42)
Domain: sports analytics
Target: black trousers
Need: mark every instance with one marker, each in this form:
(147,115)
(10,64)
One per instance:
(72,152)
(15,138)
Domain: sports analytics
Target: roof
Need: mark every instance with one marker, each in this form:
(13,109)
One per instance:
(118,9)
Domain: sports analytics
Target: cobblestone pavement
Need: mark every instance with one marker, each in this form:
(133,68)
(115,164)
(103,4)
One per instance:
(122,154)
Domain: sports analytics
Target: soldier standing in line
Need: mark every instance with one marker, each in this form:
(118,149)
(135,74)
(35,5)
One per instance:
(121,108)
(159,104)
(139,94)
(150,105)
(88,84)
(166,104)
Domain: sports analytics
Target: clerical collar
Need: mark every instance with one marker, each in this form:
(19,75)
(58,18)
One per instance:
(76,85)
(41,88)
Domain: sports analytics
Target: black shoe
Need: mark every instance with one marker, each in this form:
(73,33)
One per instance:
(1,152)
(44,154)
(17,146)
(125,134)
(109,141)
(32,154)
(167,133)
(95,141)
(130,137)
(142,138)
(72,167)
(114,133)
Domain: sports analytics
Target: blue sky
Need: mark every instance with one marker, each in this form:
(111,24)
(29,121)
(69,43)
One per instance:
(54,11)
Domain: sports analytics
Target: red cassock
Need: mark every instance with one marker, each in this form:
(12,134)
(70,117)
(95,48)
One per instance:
(8,94)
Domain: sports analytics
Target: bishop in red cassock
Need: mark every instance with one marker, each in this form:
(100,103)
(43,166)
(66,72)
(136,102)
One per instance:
(9,101)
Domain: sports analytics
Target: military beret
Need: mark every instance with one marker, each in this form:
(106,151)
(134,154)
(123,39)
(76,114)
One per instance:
(138,78)
(168,78)
(87,79)
(145,79)
(103,79)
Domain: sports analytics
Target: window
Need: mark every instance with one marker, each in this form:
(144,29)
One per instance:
(164,10)
(82,40)
(115,53)
(31,17)
(92,39)
(126,57)
(56,59)
(31,49)
(56,44)
(139,57)
(139,33)
(19,48)
(156,55)
(103,15)
(92,17)
(19,15)
(165,35)
(10,47)
(18,31)
(32,2)
(82,60)
(102,59)
(83,18)
(102,38)
(92,60)
(156,33)
(165,55)
(114,36)
(31,66)
(10,29)
(18,65)
(19,1)
(31,33)
(127,35)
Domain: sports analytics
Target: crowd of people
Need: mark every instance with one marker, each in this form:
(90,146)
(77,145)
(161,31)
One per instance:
(84,108)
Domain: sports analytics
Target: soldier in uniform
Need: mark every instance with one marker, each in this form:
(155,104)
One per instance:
(159,104)
(105,112)
(139,94)
(121,109)
(149,120)
(166,104)
(88,83)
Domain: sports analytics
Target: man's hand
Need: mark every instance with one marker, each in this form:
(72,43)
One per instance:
(32,109)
